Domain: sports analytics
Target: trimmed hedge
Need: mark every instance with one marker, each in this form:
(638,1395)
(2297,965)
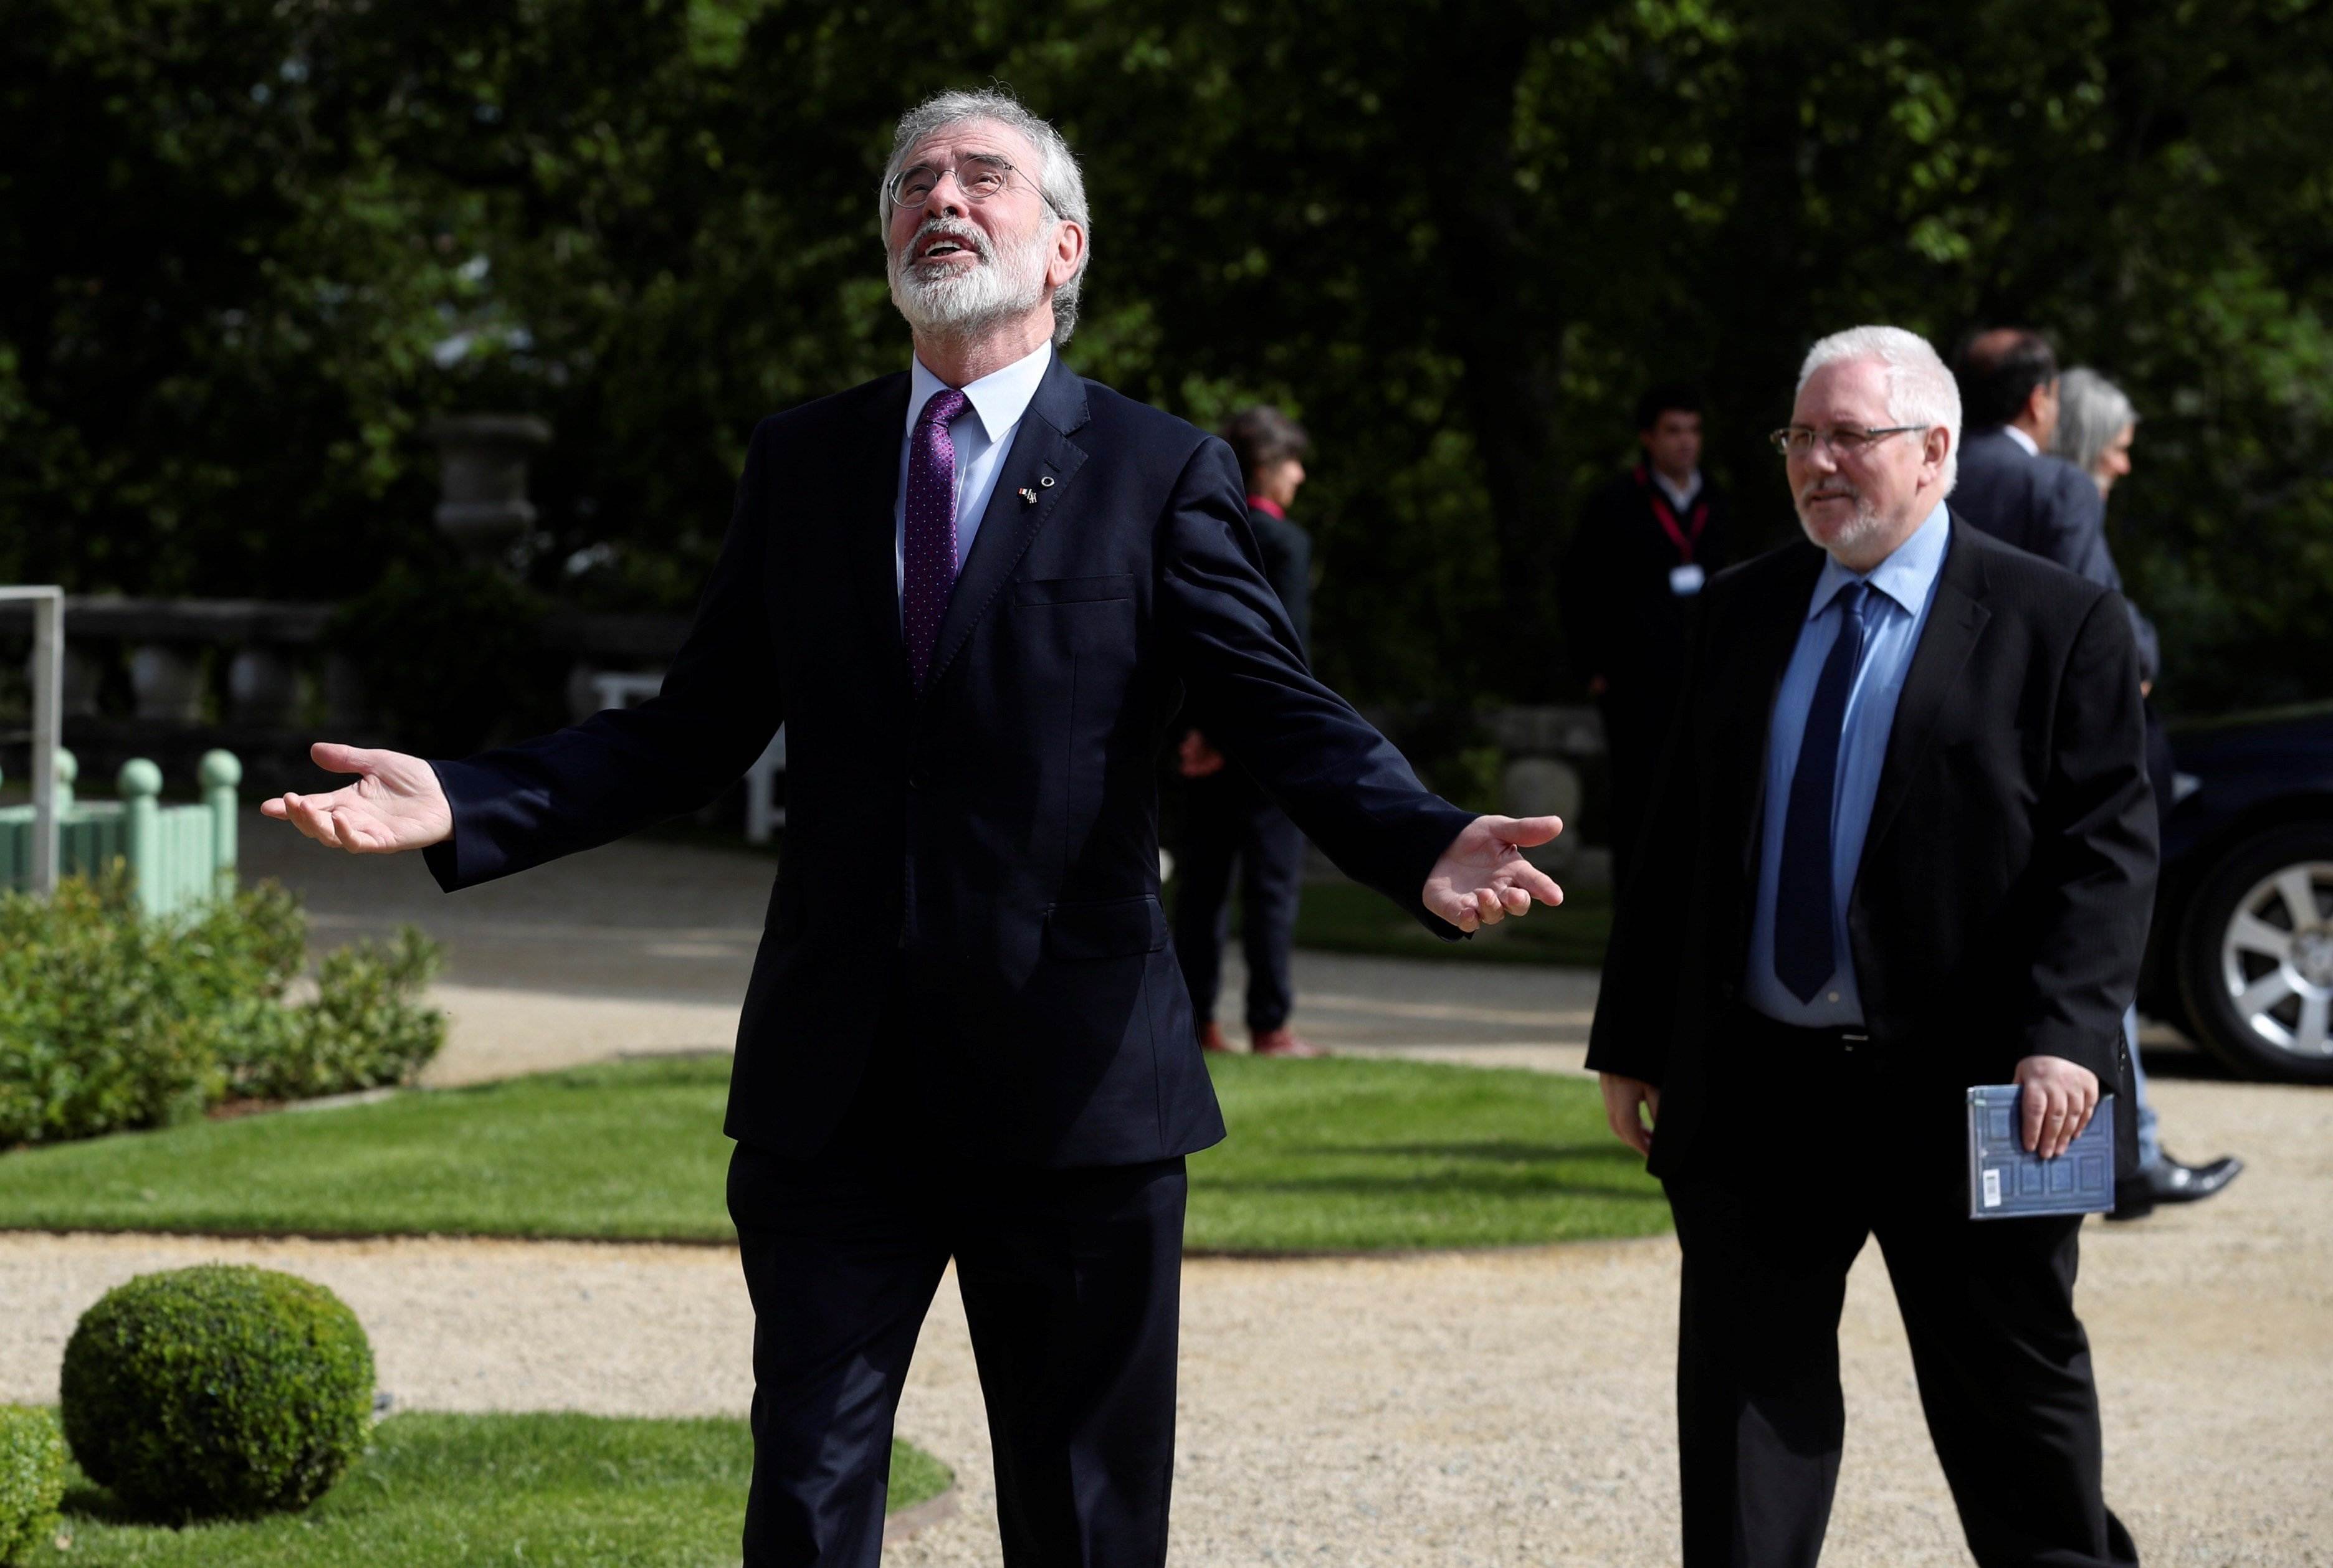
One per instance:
(111,1020)
(218,1391)
(32,1481)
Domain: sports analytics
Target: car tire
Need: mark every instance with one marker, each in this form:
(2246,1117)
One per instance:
(2256,956)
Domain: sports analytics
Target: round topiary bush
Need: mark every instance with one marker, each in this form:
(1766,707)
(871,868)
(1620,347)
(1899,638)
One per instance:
(32,1480)
(218,1391)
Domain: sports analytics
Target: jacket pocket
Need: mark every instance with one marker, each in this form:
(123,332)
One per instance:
(1074,590)
(1113,928)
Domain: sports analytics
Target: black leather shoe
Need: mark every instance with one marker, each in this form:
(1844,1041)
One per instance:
(2168,1181)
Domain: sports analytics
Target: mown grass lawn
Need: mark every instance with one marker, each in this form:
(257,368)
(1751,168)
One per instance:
(449,1491)
(1341,1154)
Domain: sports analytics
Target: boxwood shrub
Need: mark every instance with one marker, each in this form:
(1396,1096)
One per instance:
(221,1390)
(113,1019)
(32,1481)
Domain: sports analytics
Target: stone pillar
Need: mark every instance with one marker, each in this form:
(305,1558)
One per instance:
(1544,787)
(344,694)
(83,671)
(263,689)
(168,681)
(482,505)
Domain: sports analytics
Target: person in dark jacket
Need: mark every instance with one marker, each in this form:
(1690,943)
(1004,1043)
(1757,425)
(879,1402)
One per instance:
(1645,544)
(2016,486)
(974,592)
(1229,823)
(1903,844)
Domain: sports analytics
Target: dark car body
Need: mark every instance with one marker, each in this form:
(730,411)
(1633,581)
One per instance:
(2254,801)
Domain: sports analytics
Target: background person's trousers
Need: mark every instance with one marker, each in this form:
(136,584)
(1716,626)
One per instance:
(1227,820)
(1071,1282)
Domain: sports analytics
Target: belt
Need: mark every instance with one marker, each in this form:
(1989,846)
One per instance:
(1842,1040)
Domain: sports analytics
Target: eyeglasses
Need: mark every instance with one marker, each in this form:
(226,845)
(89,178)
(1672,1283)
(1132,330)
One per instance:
(979,177)
(1845,440)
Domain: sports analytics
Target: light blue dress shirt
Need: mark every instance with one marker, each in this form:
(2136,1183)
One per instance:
(982,433)
(1905,587)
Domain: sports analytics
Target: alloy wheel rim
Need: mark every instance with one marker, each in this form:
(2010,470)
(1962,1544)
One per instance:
(2276,959)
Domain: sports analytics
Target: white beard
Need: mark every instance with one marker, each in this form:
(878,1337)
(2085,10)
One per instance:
(947,302)
(1860,530)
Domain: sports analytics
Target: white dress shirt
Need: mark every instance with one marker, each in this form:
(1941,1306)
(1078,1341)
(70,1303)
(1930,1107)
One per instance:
(982,434)
(1680,496)
(2027,442)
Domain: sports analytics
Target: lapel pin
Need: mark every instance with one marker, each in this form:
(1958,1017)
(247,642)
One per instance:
(1047,481)
(1028,496)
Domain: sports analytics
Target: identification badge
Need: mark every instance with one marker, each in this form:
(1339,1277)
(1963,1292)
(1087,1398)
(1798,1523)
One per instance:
(1687,579)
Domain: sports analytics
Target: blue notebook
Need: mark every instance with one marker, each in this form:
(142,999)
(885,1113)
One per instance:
(2006,1182)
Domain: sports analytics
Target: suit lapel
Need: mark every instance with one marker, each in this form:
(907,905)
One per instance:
(1770,640)
(1041,460)
(1956,621)
(870,531)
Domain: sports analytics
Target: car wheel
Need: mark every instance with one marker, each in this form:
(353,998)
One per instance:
(2256,959)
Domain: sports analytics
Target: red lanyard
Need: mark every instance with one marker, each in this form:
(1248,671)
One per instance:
(1667,518)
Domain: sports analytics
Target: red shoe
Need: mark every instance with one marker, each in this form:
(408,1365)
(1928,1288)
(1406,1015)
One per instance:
(1283,1042)
(1211,1038)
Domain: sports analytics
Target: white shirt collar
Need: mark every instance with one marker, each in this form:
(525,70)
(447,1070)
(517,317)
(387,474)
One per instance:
(1905,576)
(999,397)
(2027,442)
(1679,495)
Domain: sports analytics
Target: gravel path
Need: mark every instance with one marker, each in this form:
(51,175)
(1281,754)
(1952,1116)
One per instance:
(1511,1408)
(1494,1408)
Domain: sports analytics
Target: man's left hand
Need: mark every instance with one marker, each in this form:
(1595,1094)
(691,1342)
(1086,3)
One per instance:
(2058,1100)
(1483,877)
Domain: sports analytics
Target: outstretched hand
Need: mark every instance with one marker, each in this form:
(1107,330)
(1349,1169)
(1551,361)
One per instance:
(1483,877)
(395,803)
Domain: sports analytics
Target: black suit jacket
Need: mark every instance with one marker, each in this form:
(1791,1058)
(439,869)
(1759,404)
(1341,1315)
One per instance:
(1621,619)
(1286,551)
(987,848)
(2046,506)
(2001,903)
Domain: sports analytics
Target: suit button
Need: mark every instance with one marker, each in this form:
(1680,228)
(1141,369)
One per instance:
(916,780)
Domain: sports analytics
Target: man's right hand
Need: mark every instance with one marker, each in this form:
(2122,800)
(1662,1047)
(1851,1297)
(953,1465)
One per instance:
(395,803)
(1622,1096)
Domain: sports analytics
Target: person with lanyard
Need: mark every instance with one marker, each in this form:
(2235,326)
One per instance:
(1645,544)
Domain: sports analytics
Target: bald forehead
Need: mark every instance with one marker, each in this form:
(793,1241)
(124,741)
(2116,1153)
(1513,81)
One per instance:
(1849,392)
(971,136)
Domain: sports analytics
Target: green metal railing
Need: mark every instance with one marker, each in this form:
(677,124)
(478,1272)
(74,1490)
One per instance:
(178,857)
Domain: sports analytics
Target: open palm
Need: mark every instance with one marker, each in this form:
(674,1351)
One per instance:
(1483,877)
(395,803)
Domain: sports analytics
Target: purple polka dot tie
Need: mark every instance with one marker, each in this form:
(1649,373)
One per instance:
(931,528)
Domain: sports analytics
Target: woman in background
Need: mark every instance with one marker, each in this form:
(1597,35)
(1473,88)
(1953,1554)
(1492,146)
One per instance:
(2096,424)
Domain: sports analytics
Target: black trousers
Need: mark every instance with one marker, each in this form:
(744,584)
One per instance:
(1769,1223)
(1228,819)
(1071,1282)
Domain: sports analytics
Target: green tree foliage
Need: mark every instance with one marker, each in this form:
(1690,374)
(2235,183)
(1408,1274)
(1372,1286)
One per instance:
(251,246)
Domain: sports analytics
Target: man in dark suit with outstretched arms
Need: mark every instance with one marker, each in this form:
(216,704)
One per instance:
(974,593)
(1903,844)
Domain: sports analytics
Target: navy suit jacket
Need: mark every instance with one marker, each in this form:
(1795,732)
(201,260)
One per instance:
(2045,506)
(990,846)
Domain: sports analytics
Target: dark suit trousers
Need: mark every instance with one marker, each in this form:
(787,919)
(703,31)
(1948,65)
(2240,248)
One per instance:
(1229,820)
(2002,1363)
(1071,1282)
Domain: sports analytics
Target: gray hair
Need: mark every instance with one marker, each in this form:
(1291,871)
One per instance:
(1061,183)
(2091,412)
(1920,389)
